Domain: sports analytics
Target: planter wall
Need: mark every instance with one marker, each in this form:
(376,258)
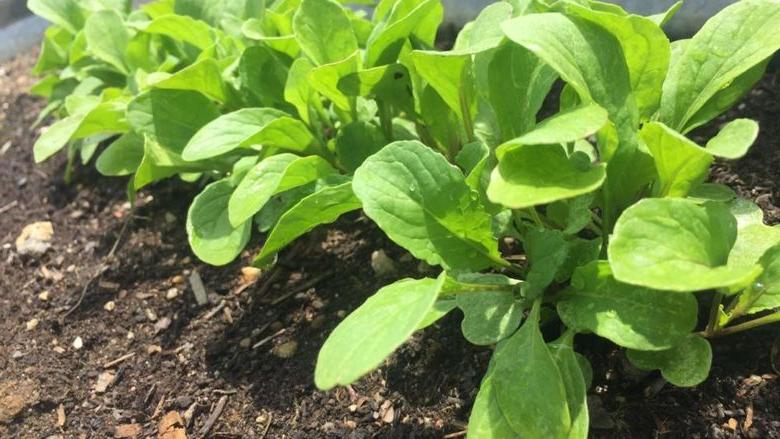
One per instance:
(688,20)
(19,32)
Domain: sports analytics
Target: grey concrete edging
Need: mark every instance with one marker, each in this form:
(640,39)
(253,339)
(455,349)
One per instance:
(20,32)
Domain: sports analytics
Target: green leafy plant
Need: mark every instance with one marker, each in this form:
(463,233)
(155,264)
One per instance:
(291,113)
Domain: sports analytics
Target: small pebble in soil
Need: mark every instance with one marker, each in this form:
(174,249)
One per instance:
(78,343)
(382,264)
(177,280)
(44,296)
(35,239)
(172,293)
(151,315)
(110,306)
(245,343)
(32,324)
(285,350)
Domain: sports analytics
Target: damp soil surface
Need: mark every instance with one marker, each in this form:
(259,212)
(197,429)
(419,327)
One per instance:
(133,352)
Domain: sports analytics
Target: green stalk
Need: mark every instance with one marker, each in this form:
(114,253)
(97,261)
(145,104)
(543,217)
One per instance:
(712,322)
(755,323)
(386,119)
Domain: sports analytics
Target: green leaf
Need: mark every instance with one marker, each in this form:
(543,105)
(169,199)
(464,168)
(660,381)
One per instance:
(321,207)
(212,238)
(160,162)
(373,331)
(685,365)
(64,13)
(358,141)
(676,245)
(768,284)
(627,315)
(528,384)
(54,52)
(518,81)
(107,38)
(734,139)
(326,78)
(324,31)
(91,119)
(297,89)
(680,163)
(385,43)
(204,76)
(272,176)
(170,117)
(573,214)
(247,127)
(423,203)
(441,308)
(547,251)
(581,252)
(712,192)
(449,74)
(574,381)
(488,316)
(263,77)
(181,28)
(122,157)
(531,175)
(487,420)
(646,48)
(744,30)
(567,126)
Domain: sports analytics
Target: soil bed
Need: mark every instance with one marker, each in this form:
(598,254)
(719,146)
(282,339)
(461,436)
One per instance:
(199,360)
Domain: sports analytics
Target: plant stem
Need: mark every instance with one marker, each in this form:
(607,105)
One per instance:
(712,322)
(535,216)
(468,124)
(766,320)
(386,119)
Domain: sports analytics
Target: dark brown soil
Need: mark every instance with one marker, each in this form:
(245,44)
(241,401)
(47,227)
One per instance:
(194,359)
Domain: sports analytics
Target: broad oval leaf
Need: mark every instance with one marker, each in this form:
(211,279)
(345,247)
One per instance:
(685,365)
(324,31)
(679,163)
(528,384)
(107,38)
(676,245)
(321,207)
(531,175)
(373,331)
(489,316)
(170,117)
(567,126)
(64,13)
(386,41)
(487,420)
(122,157)
(271,176)
(646,48)
(627,315)
(423,203)
(734,139)
(768,284)
(574,380)
(247,127)
(212,238)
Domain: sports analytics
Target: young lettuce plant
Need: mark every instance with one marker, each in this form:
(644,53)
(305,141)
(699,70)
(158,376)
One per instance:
(608,198)
(338,103)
